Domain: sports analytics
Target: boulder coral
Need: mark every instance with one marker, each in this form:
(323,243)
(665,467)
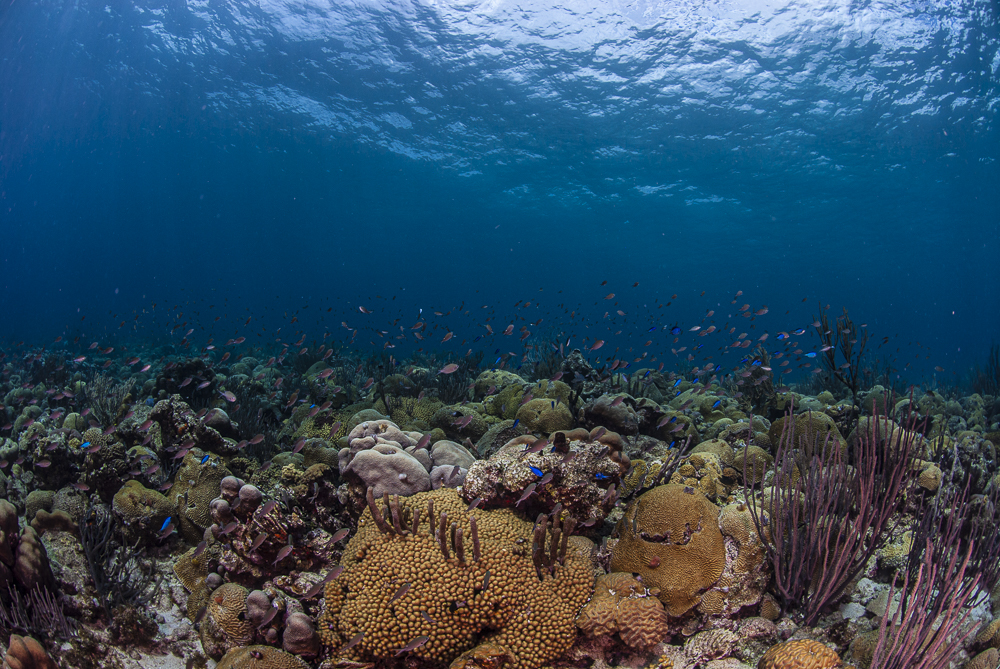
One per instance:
(670,536)
(800,654)
(624,605)
(426,575)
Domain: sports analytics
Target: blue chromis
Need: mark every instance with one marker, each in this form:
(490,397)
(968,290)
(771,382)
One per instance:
(165,523)
(535,470)
(717,403)
(204,459)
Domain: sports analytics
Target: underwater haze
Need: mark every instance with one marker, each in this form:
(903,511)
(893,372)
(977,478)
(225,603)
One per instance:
(297,164)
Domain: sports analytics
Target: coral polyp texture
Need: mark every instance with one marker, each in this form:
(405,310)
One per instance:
(670,536)
(425,575)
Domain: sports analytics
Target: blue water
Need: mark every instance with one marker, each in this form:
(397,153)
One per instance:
(301,159)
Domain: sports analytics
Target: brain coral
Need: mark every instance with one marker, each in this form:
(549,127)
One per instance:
(622,604)
(670,536)
(426,576)
(800,654)
(226,626)
(260,657)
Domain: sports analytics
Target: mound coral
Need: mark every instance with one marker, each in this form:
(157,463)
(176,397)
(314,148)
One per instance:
(624,605)
(426,575)
(800,654)
(670,536)
(260,657)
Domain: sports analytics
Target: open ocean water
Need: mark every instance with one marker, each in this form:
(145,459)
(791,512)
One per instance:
(557,243)
(260,159)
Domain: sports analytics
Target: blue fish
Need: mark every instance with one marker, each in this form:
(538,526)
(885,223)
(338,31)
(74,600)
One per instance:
(204,459)
(165,523)
(535,470)
(675,330)
(673,420)
(811,354)
(553,404)
(672,444)
(497,361)
(677,382)
(648,372)
(651,329)
(85,444)
(800,331)
(717,403)
(782,336)
(477,339)
(600,477)
(717,368)
(755,363)
(516,421)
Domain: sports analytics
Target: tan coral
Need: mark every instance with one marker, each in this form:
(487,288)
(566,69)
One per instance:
(988,659)
(711,644)
(226,626)
(989,635)
(800,654)
(704,472)
(624,605)
(456,603)
(260,657)
(670,536)
(195,486)
(26,653)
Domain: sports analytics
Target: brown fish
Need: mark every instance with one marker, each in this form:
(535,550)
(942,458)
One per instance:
(403,589)
(353,642)
(413,645)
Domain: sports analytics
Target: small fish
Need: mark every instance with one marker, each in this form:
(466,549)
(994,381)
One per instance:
(268,617)
(198,617)
(716,404)
(340,534)
(617,401)
(535,447)
(334,429)
(85,444)
(268,508)
(545,479)
(424,441)
(43,463)
(427,618)
(811,354)
(205,459)
(596,345)
(600,477)
(258,540)
(474,503)
(675,330)
(516,421)
(526,494)
(282,554)
(204,384)
(299,444)
(315,590)
(228,396)
(535,470)
(601,431)
(448,369)
(413,645)
(353,642)
(81,486)
(229,528)
(167,531)
(486,580)
(199,549)
(334,573)
(152,470)
(165,523)
(403,589)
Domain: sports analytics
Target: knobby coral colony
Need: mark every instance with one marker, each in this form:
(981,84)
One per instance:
(334,510)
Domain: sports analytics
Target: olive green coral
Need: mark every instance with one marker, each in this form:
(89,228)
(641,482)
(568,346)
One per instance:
(429,577)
